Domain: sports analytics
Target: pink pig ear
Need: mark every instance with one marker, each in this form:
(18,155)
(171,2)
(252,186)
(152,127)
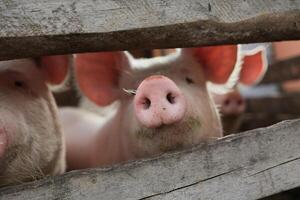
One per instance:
(98,75)
(55,68)
(218,61)
(254,67)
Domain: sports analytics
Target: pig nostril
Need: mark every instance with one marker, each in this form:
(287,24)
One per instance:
(227,102)
(239,102)
(170,98)
(146,103)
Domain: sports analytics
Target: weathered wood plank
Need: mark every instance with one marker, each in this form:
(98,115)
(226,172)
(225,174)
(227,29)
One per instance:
(247,166)
(33,28)
(283,71)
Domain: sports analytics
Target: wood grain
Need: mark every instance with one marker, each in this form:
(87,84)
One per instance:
(286,103)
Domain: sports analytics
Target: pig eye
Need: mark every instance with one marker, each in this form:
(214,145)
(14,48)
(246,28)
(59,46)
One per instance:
(189,80)
(19,84)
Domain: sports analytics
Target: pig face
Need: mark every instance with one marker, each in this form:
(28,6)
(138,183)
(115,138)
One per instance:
(253,68)
(169,106)
(232,105)
(31,143)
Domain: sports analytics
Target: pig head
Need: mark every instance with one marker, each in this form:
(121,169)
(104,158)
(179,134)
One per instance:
(31,140)
(164,101)
(231,104)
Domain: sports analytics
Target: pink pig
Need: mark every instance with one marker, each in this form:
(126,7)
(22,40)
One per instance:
(31,140)
(164,104)
(232,104)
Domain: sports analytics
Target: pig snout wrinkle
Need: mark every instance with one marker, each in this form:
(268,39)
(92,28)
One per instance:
(159,101)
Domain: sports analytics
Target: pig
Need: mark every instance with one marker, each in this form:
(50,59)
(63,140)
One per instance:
(231,104)
(31,139)
(164,104)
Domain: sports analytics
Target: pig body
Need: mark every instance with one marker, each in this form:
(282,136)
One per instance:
(171,109)
(91,139)
(31,140)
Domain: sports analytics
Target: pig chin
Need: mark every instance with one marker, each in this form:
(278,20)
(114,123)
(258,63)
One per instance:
(169,137)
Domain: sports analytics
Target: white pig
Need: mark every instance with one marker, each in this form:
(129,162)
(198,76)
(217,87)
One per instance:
(163,104)
(232,105)
(31,139)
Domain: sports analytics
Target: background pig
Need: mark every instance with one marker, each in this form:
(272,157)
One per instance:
(163,104)
(231,104)
(31,140)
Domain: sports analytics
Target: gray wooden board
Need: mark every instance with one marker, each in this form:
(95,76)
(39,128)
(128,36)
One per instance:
(247,166)
(41,27)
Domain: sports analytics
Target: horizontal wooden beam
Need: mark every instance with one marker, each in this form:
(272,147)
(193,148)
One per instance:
(283,71)
(250,165)
(34,28)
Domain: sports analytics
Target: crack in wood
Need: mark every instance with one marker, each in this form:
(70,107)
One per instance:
(189,185)
(280,164)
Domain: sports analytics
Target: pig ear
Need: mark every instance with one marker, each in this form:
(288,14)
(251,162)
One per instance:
(218,62)
(254,66)
(98,75)
(55,68)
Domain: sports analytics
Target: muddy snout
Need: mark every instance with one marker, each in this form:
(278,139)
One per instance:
(158,101)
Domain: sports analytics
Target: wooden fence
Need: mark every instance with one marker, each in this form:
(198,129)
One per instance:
(249,165)
(33,28)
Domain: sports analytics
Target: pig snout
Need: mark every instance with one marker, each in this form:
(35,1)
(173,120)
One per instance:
(232,104)
(159,101)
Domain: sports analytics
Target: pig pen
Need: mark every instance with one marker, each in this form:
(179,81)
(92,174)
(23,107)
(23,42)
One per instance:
(249,165)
